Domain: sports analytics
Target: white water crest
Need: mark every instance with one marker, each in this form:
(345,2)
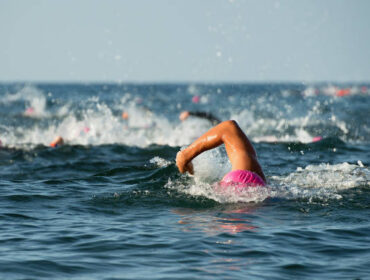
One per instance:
(99,125)
(34,101)
(320,182)
(333,177)
(95,122)
(209,168)
(160,162)
(315,183)
(214,192)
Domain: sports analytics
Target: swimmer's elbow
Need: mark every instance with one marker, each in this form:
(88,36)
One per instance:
(231,125)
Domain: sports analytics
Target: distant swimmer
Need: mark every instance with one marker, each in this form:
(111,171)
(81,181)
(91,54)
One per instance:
(274,139)
(203,115)
(58,141)
(246,170)
(144,111)
(142,117)
(30,111)
(195,99)
(124,115)
(343,92)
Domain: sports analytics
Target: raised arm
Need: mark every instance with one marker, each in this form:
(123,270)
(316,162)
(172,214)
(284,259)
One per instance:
(238,147)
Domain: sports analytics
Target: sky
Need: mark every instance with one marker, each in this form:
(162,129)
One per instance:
(185,41)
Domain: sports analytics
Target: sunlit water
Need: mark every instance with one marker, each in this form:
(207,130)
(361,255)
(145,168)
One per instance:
(110,203)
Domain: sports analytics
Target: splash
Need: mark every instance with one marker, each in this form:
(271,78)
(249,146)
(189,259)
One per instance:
(333,177)
(160,162)
(320,182)
(270,120)
(33,98)
(209,168)
(314,183)
(96,120)
(211,191)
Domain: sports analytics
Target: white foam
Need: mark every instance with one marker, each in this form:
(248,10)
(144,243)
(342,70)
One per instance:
(186,132)
(209,168)
(332,177)
(211,191)
(315,183)
(160,162)
(35,100)
(320,182)
(144,127)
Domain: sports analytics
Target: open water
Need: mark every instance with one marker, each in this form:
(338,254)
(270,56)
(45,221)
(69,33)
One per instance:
(110,203)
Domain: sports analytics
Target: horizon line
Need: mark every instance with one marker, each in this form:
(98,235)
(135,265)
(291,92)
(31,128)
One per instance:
(147,82)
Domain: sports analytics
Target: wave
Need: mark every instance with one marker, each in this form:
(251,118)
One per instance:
(33,116)
(313,183)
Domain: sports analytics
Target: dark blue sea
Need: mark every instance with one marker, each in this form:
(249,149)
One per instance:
(111,204)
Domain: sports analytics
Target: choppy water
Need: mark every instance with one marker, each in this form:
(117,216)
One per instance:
(110,203)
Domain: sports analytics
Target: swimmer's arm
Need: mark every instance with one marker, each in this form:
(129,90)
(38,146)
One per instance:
(238,147)
(209,140)
(183,164)
(205,115)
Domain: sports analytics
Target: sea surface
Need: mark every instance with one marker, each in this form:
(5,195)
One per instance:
(111,204)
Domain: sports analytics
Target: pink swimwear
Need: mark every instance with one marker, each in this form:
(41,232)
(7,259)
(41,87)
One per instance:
(242,178)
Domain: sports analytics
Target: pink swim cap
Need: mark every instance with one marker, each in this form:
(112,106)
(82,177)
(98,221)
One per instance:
(316,139)
(195,99)
(242,178)
(29,111)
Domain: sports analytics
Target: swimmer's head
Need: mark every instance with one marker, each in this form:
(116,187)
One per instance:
(58,141)
(195,99)
(86,129)
(29,111)
(184,115)
(242,178)
(124,115)
(316,139)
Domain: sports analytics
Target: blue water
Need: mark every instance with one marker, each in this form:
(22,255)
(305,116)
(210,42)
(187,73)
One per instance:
(110,203)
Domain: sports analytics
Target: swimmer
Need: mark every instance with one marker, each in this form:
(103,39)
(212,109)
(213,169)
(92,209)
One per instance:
(204,115)
(30,111)
(141,117)
(143,109)
(245,166)
(124,115)
(58,141)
